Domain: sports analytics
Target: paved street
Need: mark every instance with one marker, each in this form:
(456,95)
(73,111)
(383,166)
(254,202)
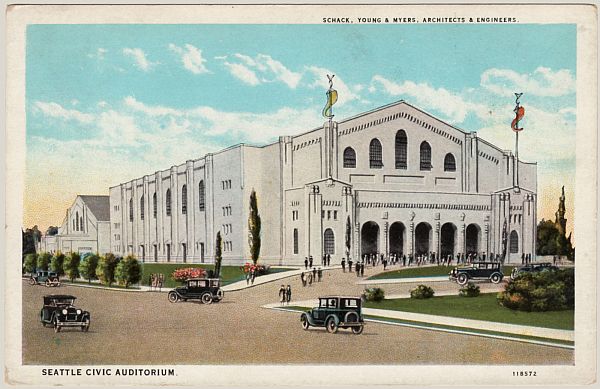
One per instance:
(144,328)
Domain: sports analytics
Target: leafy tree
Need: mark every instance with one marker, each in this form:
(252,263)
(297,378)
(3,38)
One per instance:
(28,242)
(218,255)
(105,271)
(254,228)
(71,266)
(52,230)
(30,263)
(87,267)
(547,238)
(129,271)
(43,260)
(56,263)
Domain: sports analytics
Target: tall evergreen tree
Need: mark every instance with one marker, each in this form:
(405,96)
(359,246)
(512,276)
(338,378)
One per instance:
(218,255)
(254,228)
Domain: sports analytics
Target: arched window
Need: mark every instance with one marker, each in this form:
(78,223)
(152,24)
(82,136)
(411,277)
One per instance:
(131,209)
(401,150)
(76,221)
(74,229)
(375,157)
(295,241)
(514,242)
(349,158)
(201,195)
(168,202)
(184,199)
(142,207)
(329,241)
(154,205)
(449,163)
(425,156)
(81,223)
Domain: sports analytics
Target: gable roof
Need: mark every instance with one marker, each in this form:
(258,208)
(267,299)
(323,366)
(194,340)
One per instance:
(99,205)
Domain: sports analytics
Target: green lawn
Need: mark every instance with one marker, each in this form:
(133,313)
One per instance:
(229,274)
(425,271)
(483,307)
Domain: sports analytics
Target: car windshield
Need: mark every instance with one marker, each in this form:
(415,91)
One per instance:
(62,302)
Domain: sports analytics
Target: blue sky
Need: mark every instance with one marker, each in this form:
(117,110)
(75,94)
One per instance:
(106,103)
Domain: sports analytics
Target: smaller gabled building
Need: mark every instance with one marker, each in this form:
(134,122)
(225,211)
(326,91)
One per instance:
(85,228)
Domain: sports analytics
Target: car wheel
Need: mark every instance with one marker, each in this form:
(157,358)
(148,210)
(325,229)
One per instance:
(331,326)
(357,330)
(462,279)
(47,283)
(32,281)
(173,297)
(206,298)
(304,321)
(351,317)
(495,278)
(86,325)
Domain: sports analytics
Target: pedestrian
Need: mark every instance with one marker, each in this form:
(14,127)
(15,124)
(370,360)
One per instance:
(310,261)
(305,263)
(362,269)
(384,261)
(248,278)
(314,274)
(288,294)
(320,274)
(344,265)
(328,259)
(324,260)
(303,279)
(282,297)
(404,260)
(358,269)
(554,260)
(522,258)
(350,265)
(253,276)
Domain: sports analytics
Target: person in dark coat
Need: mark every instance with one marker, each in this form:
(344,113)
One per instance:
(522,258)
(358,269)
(362,269)
(288,294)
(328,259)
(310,261)
(350,265)
(314,274)
(344,265)
(305,263)
(282,297)
(320,274)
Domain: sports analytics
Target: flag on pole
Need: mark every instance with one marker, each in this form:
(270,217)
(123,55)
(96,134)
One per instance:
(519,112)
(332,97)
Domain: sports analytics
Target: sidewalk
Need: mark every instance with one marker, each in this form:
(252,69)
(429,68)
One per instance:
(403,280)
(271,277)
(515,329)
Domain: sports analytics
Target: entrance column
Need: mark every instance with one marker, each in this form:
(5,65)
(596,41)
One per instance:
(385,244)
(436,245)
(486,230)
(412,238)
(357,241)
(461,240)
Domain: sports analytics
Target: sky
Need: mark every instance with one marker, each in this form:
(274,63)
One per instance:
(108,103)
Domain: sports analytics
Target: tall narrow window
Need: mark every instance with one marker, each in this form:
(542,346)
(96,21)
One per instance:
(329,241)
(201,195)
(349,158)
(168,202)
(81,223)
(76,221)
(375,157)
(131,209)
(425,156)
(401,150)
(154,205)
(142,209)
(449,163)
(184,199)
(295,241)
(514,242)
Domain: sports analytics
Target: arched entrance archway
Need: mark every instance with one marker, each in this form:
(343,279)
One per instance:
(514,242)
(396,237)
(329,241)
(369,238)
(423,233)
(448,240)
(472,236)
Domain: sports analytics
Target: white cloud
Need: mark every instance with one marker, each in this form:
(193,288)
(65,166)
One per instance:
(542,82)
(242,73)
(139,57)
(191,57)
(156,110)
(283,74)
(57,111)
(99,54)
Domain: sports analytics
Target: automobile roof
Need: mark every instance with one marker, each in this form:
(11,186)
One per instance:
(339,297)
(59,296)
(202,279)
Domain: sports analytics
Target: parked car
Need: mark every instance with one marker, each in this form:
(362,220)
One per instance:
(532,268)
(206,290)
(477,271)
(335,312)
(59,311)
(48,278)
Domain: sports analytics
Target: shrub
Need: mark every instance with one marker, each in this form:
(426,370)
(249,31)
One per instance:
(43,260)
(544,291)
(56,263)
(71,266)
(105,271)
(259,270)
(129,271)
(189,272)
(471,290)
(373,294)
(422,292)
(30,263)
(87,267)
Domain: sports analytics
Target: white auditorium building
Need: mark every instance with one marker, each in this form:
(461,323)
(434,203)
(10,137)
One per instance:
(405,181)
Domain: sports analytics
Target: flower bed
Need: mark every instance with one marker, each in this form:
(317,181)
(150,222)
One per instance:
(259,270)
(182,275)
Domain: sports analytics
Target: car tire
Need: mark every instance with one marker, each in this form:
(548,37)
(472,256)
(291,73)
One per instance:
(351,317)
(86,326)
(47,283)
(206,298)
(305,323)
(32,281)
(462,279)
(496,278)
(173,297)
(357,330)
(331,325)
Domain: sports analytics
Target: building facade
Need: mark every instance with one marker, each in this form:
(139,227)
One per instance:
(392,180)
(85,228)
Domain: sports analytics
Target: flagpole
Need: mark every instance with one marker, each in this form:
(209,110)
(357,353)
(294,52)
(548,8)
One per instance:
(517,130)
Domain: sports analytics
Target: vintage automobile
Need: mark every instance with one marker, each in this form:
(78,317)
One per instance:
(48,278)
(477,271)
(335,312)
(58,311)
(206,290)
(532,268)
